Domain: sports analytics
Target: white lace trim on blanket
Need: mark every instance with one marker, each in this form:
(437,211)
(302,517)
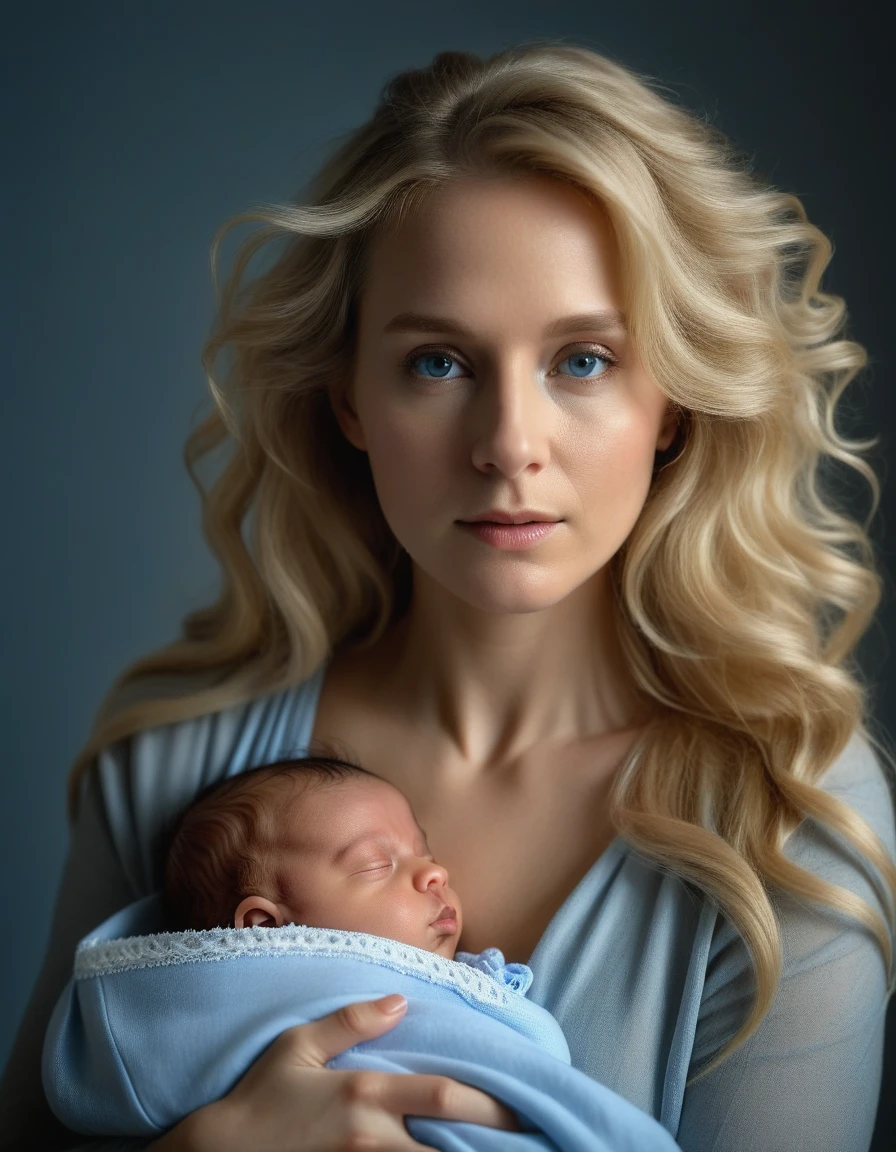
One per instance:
(95,957)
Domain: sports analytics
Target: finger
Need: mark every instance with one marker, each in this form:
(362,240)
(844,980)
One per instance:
(320,1040)
(391,1134)
(437,1097)
(457,1101)
(368,1123)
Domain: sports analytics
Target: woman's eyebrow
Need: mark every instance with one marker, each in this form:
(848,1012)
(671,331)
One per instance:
(601,320)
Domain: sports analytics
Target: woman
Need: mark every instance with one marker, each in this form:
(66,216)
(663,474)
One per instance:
(532,289)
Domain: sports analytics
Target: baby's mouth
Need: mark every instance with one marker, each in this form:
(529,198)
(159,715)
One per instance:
(446,919)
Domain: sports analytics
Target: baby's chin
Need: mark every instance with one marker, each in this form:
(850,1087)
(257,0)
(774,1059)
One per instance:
(446,948)
(442,945)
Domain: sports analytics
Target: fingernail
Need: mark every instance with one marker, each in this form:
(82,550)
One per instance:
(389,1005)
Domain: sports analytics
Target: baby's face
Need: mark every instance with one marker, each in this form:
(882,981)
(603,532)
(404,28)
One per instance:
(361,863)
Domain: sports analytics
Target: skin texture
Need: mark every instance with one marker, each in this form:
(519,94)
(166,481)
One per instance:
(387,883)
(503,651)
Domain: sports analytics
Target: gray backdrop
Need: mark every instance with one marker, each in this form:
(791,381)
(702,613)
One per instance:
(133,131)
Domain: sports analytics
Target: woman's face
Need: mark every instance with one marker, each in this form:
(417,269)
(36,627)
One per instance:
(474,391)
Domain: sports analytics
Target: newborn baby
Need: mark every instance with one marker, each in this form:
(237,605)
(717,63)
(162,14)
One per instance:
(314,841)
(310,885)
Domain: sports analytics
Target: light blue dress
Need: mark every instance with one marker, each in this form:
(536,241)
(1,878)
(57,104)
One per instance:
(646,978)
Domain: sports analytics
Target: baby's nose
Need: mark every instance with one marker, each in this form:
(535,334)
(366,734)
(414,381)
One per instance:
(433,874)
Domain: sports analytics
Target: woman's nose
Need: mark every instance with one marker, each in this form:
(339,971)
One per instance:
(510,429)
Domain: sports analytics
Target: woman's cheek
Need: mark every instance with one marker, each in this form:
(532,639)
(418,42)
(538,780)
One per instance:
(410,469)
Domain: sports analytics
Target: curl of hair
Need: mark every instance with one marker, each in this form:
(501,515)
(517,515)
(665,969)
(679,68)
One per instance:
(743,588)
(229,843)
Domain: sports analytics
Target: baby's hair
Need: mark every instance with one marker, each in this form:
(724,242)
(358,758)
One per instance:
(229,842)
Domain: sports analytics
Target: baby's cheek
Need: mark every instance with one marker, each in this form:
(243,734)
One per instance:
(407,923)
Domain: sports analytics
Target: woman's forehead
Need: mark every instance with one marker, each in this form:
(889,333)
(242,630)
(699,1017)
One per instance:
(493,252)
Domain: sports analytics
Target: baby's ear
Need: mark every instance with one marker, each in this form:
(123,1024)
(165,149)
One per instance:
(256,912)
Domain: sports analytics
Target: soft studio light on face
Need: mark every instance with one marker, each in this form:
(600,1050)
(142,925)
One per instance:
(494,374)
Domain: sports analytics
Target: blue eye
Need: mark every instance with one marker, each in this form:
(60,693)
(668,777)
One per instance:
(584,362)
(586,368)
(441,372)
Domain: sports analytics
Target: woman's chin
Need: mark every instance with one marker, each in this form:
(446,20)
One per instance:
(503,583)
(509,594)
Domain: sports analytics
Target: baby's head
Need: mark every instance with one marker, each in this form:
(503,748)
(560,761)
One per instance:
(316,841)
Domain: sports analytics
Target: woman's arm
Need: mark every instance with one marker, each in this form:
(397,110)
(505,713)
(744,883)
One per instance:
(93,886)
(304,1104)
(810,1076)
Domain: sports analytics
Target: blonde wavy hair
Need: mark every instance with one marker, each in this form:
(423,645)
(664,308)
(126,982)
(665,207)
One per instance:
(742,590)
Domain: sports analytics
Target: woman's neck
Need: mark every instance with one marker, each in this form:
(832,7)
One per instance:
(498,685)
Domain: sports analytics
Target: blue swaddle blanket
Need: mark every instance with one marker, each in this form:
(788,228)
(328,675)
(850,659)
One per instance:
(153,1025)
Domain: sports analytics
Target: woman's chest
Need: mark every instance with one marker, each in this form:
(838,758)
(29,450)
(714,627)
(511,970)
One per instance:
(513,854)
(515,839)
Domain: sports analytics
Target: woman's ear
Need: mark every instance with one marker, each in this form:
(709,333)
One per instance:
(668,428)
(346,417)
(256,912)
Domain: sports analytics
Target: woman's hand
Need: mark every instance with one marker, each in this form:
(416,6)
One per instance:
(289,1101)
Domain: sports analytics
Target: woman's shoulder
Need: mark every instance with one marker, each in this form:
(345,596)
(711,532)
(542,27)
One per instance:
(858,778)
(862,779)
(235,737)
(143,781)
(815,937)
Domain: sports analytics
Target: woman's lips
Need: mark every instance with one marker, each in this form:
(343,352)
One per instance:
(510,537)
